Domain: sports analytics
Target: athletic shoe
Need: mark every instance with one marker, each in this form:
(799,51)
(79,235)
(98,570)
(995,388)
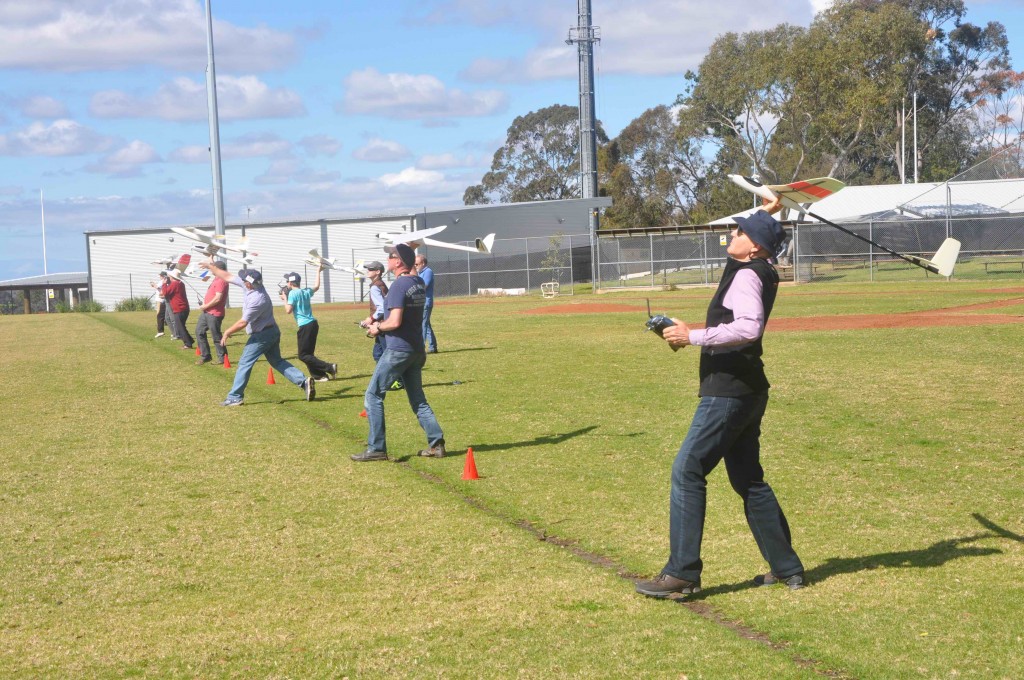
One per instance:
(666,585)
(200,361)
(231,402)
(369,455)
(310,389)
(323,378)
(158,334)
(187,347)
(435,451)
(397,385)
(333,371)
(794,582)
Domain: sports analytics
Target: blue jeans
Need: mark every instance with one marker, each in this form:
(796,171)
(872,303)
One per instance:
(428,332)
(263,343)
(729,428)
(378,348)
(407,367)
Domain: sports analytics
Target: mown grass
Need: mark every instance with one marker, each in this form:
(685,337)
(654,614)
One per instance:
(145,531)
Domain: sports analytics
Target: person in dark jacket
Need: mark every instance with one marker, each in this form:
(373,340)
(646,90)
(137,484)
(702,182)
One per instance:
(727,424)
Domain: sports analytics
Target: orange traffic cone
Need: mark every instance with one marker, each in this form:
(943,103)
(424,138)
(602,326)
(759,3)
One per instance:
(469,471)
(362,414)
(227,362)
(198,353)
(270,377)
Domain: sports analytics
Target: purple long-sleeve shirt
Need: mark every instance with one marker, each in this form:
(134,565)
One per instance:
(744,300)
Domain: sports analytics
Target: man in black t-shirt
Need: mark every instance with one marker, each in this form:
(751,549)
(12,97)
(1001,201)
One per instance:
(403,358)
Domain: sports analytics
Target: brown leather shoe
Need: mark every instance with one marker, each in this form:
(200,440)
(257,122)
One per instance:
(368,455)
(666,585)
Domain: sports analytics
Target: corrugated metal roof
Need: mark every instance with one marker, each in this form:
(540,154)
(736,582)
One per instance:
(49,280)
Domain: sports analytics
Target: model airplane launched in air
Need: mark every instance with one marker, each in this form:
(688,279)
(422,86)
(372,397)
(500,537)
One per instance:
(415,239)
(213,246)
(800,195)
(174,262)
(315,259)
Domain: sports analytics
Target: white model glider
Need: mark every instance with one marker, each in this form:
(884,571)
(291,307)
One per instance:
(211,243)
(799,196)
(174,262)
(315,259)
(415,239)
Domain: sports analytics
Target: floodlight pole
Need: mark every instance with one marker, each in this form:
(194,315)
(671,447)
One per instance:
(42,220)
(211,97)
(585,36)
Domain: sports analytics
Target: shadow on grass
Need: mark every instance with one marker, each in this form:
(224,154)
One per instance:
(537,441)
(935,555)
(464,349)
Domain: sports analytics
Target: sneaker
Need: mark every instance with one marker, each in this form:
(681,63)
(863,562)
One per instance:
(666,585)
(323,378)
(435,451)
(231,402)
(397,385)
(187,347)
(310,389)
(333,371)
(160,334)
(369,455)
(200,361)
(794,582)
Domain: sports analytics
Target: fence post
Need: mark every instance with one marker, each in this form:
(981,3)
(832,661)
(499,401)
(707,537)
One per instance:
(527,239)
(871,251)
(650,252)
(469,275)
(796,253)
(572,276)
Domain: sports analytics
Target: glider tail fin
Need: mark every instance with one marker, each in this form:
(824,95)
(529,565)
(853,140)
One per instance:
(485,244)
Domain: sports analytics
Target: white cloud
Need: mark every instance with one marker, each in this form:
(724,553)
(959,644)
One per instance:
(447,161)
(62,137)
(656,37)
(412,97)
(294,171)
(184,99)
(412,177)
(95,35)
(317,145)
(254,145)
(126,161)
(378,150)
(42,106)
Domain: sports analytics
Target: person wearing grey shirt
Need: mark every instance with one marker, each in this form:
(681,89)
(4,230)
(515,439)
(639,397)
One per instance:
(264,334)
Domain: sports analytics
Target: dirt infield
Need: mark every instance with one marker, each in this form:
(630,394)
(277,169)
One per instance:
(950,316)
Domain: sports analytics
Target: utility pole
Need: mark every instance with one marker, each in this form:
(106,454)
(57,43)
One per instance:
(585,36)
(211,103)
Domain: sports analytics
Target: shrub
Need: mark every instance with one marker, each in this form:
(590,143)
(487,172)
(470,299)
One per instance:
(89,306)
(133,304)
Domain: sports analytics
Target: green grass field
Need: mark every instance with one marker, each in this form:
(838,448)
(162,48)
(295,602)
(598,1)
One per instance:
(147,532)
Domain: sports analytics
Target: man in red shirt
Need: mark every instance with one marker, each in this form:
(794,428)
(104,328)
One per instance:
(210,318)
(173,292)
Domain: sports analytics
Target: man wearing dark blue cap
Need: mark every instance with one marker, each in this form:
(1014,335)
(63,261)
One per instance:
(403,358)
(727,423)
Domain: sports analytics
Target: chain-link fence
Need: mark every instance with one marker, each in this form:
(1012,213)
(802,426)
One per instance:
(992,247)
(514,265)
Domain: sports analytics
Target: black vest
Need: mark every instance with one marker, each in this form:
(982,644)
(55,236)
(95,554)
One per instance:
(736,371)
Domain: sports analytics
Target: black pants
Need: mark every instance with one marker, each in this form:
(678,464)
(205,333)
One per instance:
(180,321)
(307,346)
(160,311)
(212,323)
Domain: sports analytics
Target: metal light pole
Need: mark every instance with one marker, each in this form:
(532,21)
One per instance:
(42,220)
(585,36)
(211,97)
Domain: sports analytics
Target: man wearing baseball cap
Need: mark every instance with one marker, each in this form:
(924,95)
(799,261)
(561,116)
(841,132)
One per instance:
(378,292)
(264,334)
(403,358)
(727,423)
(297,302)
(173,292)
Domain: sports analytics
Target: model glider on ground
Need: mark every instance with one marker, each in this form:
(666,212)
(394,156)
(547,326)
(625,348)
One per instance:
(415,239)
(799,195)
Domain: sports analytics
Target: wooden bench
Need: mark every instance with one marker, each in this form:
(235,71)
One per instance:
(996,263)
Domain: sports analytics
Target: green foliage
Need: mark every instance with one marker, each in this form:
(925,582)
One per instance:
(83,306)
(554,258)
(538,162)
(134,304)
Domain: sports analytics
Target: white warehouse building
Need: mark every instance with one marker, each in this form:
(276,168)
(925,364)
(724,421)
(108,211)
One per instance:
(121,262)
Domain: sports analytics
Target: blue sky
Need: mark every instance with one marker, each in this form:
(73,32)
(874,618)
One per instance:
(336,107)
